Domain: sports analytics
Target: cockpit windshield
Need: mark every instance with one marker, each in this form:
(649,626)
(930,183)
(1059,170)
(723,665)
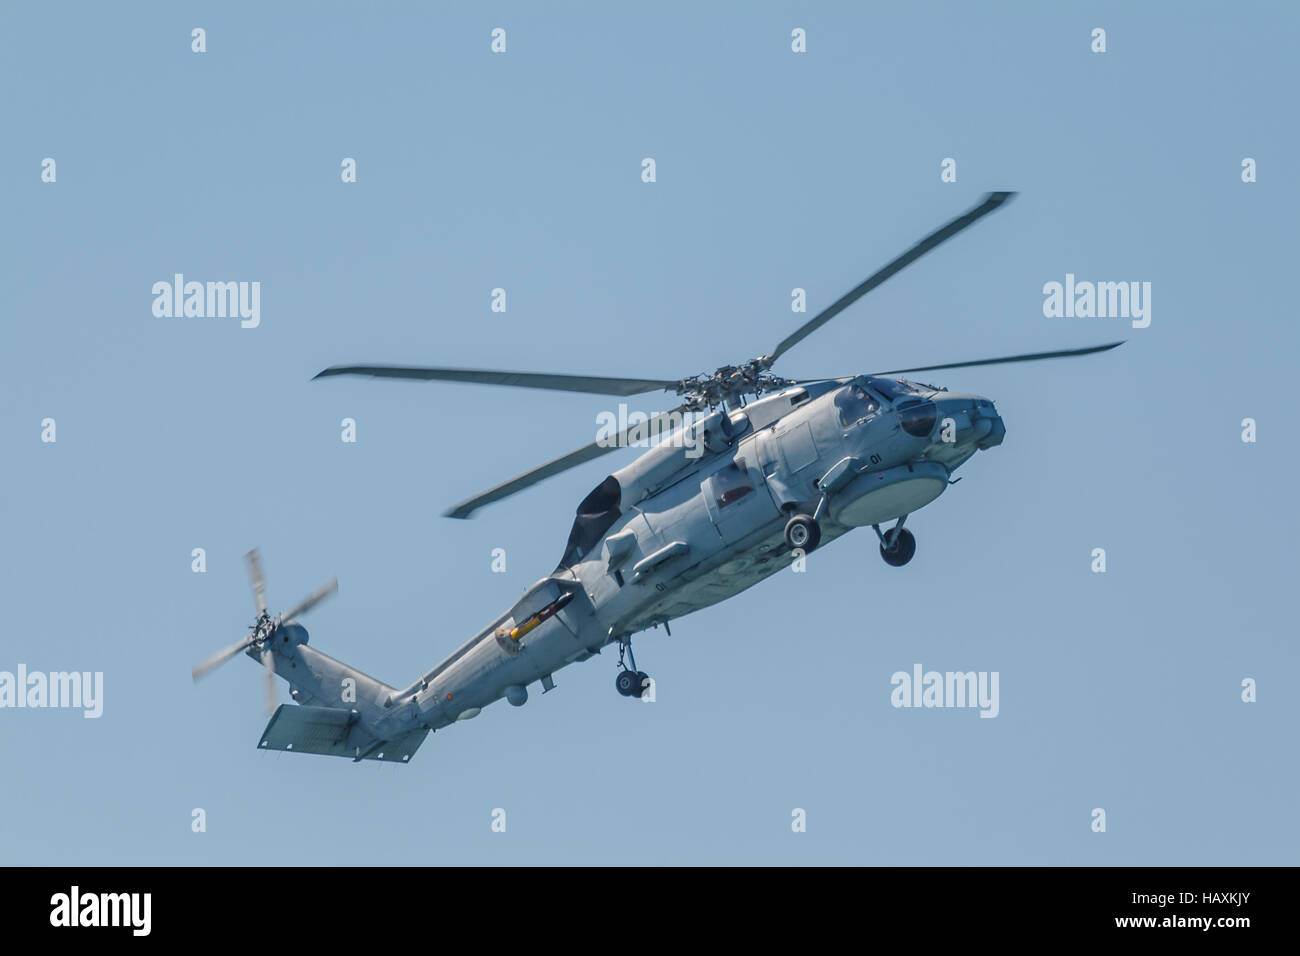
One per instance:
(895,388)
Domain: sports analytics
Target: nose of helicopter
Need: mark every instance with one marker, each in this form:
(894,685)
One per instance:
(973,418)
(997,431)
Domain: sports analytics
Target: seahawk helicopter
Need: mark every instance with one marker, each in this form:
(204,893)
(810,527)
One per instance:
(770,469)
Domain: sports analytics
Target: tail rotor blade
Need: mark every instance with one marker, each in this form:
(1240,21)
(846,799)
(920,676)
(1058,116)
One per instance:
(258,579)
(268,668)
(216,660)
(321,594)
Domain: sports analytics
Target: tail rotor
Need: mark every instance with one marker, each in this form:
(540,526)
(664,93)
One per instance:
(264,628)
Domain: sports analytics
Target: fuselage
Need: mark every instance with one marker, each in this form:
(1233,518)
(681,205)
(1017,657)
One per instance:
(690,524)
(727,501)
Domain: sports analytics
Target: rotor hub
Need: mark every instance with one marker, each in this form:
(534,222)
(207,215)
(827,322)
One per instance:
(728,385)
(263,628)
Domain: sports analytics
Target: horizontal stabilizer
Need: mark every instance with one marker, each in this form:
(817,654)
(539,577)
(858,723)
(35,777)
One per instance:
(334,732)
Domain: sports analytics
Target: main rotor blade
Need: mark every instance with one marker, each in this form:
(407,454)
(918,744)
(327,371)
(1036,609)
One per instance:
(258,578)
(219,658)
(306,605)
(1030,357)
(553,467)
(991,202)
(268,668)
(563,383)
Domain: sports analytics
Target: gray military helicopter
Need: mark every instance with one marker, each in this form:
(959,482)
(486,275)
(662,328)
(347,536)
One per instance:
(770,469)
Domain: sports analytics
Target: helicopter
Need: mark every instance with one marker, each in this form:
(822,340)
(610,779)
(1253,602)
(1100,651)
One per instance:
(769,470)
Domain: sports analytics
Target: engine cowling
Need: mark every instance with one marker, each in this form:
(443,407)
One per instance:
(717,431)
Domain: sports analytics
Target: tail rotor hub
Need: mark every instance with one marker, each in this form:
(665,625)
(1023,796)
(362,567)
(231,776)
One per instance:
(258,643)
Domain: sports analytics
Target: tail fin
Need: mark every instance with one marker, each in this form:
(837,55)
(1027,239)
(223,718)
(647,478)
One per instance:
(342,712)
(316,678)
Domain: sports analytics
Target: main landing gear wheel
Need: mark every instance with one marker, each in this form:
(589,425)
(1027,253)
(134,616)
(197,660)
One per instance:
(898,547)
(802,533)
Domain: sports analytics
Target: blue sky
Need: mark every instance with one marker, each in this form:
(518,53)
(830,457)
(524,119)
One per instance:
(774,171)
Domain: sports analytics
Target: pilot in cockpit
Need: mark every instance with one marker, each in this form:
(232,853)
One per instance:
(855,403)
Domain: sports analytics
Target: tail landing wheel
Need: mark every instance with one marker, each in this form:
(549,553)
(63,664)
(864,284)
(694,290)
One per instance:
(630,682)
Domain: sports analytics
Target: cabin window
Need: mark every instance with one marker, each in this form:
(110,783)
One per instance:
(730,485)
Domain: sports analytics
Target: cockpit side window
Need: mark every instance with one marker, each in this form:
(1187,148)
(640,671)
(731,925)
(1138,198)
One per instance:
(855,403)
